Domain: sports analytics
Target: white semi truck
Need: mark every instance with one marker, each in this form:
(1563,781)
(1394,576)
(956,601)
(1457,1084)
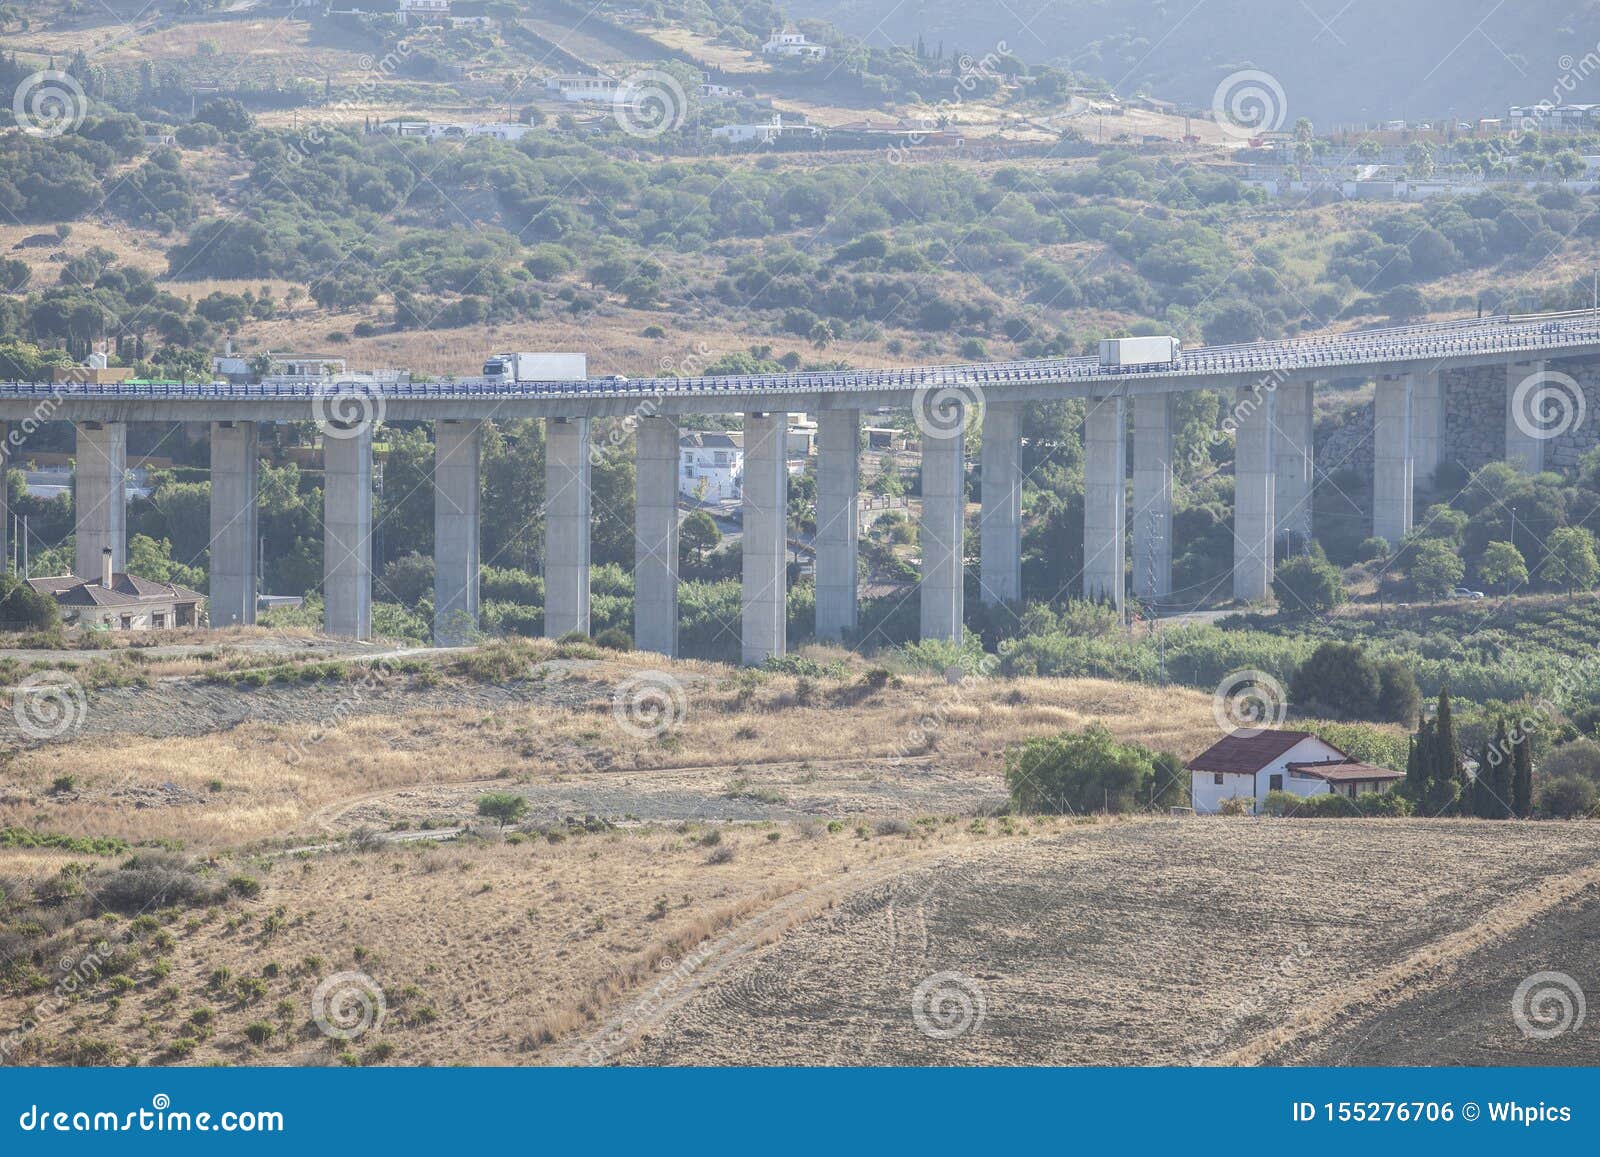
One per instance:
(537,368)
(1129,352)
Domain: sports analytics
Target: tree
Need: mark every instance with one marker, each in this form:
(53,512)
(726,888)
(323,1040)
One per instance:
(1399,697)
(698,536)
(1435,569)
(24,607)
(1338,679)
(1308,583)
(1522,776)
(1492,791)
(1446,773)
(1078,772)
(1570,560)
(504,807)
(1568,797)
(1502,565)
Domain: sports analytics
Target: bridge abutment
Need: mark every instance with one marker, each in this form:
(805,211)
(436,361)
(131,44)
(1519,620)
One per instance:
(1524,440)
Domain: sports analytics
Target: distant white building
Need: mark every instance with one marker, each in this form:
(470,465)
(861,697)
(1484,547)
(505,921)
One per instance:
(456,130)
(1249,764)
(761,134)
(593,89)
(711,465)
(424,10)
(793,44)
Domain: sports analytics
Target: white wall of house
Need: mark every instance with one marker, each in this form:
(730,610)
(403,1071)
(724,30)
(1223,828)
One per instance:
(721,470)
(1206,795)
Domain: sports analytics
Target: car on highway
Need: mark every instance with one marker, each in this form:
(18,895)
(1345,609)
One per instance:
(1464,593)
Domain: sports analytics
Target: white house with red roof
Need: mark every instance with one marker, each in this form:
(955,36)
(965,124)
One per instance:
(1249,764)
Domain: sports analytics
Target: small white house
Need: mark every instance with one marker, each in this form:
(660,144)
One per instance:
(793,44)
(593,89)
(1249,764)
(711,465)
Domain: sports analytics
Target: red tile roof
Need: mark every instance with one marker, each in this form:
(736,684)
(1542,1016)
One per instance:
(1247,752)
(1345,770)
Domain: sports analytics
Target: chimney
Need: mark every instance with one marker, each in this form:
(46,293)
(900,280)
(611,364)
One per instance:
(105,568)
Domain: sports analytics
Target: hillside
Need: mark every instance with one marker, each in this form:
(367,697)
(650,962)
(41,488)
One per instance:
(1374,60)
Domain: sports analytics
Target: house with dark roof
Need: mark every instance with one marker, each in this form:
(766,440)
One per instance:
(1250,763)
(121,602)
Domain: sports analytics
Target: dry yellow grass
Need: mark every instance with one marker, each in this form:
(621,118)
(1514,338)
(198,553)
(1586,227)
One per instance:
(275,779)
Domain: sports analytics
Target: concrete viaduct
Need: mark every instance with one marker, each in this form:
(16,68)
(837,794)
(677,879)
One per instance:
(1272,384)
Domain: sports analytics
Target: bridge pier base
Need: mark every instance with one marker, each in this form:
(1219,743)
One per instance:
(943,528)
(1524,445)
(347,526)
(1105,501)
(1427,425)
(1000,515)
(100,497)
(1152,495)
(566,527)
(234,469)
(457,447)
(838,521)
(1254,498)
(764,615)
(1392,465)
(655,564)
(1295,457)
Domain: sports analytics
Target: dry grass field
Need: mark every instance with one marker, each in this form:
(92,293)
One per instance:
(769,880)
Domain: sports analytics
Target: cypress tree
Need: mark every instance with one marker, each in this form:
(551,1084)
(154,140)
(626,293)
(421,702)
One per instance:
(1522,777)
(1504,786)
(1446,772)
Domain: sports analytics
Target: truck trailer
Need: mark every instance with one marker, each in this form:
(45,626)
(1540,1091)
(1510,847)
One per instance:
(537,368)
(1125,352)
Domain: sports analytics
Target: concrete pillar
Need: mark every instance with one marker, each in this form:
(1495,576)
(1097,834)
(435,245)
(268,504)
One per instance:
(1254,505)
(1427,424)
(1295,463)
(1105,499)
(1000,519)
(1524,428)
(838,521)
(1392,464)
(766,538)
(100,496)
(566,527)
(347,529)
(7,454)
(456,450)
(234,549)
(655,562)
(944,506)
(1152,495)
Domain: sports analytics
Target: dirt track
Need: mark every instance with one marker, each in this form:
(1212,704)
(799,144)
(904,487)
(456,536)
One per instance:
(1152,943)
